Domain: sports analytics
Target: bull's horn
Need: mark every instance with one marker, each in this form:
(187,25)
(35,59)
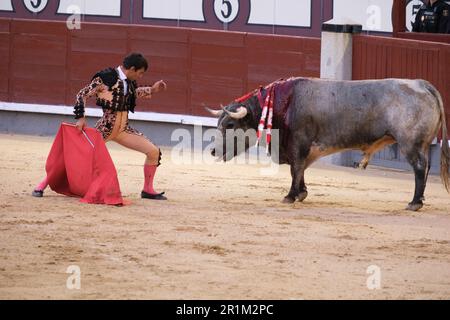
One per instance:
(216,113)
(239,114)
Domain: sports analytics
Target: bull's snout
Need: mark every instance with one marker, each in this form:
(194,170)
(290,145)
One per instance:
(213,152)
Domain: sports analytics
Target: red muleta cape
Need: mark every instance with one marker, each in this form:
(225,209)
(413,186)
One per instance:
(80,166)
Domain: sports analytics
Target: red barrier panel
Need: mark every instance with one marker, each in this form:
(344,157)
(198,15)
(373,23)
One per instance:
(433,37)
(218,68)
(47,63)
(168,52)
(5,46)
(38,62)
(379,57)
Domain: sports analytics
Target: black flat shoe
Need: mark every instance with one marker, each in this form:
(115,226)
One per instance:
(38,193)
(158,196)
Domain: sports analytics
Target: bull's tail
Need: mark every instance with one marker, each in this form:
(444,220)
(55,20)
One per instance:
(445,150)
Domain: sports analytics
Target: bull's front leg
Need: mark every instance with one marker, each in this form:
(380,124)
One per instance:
(303,191)
(297,174)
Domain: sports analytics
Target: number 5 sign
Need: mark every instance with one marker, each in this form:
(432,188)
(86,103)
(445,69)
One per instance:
(226,10)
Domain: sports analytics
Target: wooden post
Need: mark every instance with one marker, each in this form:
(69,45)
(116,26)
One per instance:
(398,17)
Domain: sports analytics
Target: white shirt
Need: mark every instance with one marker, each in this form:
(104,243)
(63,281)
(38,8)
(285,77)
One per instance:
(123,77)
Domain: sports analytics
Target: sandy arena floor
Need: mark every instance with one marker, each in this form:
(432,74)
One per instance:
(223,234)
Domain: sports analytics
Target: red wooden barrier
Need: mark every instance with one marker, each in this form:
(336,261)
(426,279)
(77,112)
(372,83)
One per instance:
(44,62)
(379,57)
(5,45)
(433,37)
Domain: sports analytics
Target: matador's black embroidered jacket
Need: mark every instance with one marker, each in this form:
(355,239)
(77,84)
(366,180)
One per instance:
(109,89)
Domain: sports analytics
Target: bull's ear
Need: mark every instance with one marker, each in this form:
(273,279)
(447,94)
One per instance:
(216,113)
(239,114)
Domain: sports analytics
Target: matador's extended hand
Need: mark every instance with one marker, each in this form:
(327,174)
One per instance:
(159,86)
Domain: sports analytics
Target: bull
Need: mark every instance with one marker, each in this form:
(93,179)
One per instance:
(317,117)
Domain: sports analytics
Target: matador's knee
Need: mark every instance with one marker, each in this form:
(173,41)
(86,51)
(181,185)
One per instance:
(151,155)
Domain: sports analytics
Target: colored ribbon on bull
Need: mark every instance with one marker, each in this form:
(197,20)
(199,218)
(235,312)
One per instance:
(262,120)
(266,117)
(244,97)
(269,120)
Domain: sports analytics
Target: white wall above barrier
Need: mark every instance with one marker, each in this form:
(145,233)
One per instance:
(190,10)
(111,8)
(295,13)
(373,15)
(6,5)
(289,17)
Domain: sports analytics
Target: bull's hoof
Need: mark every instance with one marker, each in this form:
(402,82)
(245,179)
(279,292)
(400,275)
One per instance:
(288,199)
(302,196)
(414,206)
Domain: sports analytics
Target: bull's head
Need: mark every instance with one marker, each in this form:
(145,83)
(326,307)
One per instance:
(235,129)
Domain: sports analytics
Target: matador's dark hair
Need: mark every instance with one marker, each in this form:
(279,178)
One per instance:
(135,60)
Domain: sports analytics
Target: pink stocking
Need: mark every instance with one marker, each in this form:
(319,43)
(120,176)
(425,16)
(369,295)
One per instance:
(149,174)
(42,185)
